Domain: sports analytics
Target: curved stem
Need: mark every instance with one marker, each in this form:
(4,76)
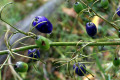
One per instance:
(14,27)
(37,25)
(5,62)
(10,37)
(94,3)
(6,42)
(111,23)
(7,22)
(3,8)
(20,40)
(61,44)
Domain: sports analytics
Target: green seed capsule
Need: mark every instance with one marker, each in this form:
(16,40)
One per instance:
(116,62)
(78,7)
(21,66)
(104,3)
(42,43)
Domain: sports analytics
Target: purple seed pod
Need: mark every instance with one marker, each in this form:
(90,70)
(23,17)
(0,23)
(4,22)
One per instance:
(34,53)
(80,69)
(118,11)
(91,29)
(42,24)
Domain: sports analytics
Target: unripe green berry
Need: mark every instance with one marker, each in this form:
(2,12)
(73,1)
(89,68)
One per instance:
(78,7)
(21,66)
(116,62)
(104,3)
(42,43)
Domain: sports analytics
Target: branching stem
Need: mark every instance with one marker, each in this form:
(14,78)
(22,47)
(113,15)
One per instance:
(62,44)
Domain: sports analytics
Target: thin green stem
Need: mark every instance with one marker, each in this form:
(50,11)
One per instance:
(11,37)
(111,23)
(14,27)
(0,75)
(4,7)
(20,40)
(38,24)
(94,3)
(61,44)
(24,56)
(5,62)
(1,10)
(83,43)
(7,44)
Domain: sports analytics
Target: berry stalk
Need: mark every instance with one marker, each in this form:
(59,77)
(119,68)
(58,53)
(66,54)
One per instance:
(111,23)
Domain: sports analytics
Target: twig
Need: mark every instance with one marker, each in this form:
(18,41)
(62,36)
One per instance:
(61,44)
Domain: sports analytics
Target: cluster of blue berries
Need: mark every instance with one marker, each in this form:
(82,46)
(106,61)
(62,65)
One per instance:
(43,25)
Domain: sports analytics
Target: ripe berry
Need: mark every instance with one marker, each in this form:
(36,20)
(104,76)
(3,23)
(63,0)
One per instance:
(80,69)
(105,3)
(45,27)
(42,43)
(34,53)
(118,11)
(116,62)
(91,29)
(78,7)
(21,66)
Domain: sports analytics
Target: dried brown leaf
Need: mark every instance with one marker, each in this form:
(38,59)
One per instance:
(69,11)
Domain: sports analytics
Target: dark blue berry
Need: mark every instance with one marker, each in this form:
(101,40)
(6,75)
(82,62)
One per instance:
(91,29)
(80,69)
(34,53)
(118,11)
(45,27)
